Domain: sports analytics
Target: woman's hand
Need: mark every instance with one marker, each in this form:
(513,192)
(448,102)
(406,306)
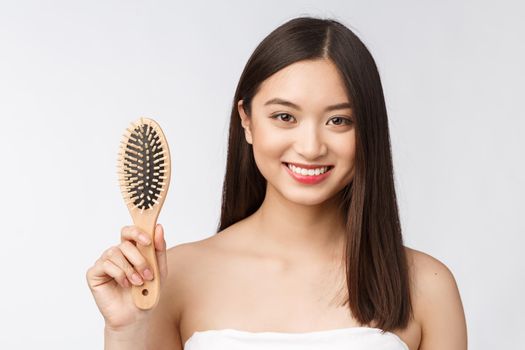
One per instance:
(111,276)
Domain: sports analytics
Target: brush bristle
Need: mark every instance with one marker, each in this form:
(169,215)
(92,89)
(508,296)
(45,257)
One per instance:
(142,163)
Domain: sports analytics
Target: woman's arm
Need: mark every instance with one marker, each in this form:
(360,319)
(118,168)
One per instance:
(441,314)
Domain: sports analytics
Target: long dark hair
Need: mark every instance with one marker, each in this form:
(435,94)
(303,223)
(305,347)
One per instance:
(377,272)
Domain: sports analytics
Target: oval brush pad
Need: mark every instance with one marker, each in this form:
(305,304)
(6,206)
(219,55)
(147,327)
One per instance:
(144,176)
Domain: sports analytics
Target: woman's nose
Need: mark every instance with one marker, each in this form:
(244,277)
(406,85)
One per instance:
(309,143)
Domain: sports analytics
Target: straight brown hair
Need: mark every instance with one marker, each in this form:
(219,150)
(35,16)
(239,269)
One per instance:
(377,275)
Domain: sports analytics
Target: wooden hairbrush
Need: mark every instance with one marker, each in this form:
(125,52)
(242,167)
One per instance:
(144,175)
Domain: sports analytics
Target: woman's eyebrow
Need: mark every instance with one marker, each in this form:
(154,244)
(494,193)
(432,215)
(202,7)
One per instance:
(280,101)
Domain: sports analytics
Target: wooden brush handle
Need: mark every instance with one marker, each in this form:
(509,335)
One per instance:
(146,296)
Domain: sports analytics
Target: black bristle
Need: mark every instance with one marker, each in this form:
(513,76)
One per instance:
(144,166)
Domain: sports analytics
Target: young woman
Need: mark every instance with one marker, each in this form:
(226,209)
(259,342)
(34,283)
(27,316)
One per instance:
(309,252)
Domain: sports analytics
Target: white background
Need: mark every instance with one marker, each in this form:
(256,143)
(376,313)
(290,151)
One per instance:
(74,74)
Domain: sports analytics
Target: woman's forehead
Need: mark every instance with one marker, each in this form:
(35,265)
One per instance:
(304,83)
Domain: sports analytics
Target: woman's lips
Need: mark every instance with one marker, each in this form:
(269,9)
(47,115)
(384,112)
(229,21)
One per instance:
(307,179)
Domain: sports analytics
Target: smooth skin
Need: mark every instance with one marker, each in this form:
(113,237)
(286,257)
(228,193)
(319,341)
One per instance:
(280,269)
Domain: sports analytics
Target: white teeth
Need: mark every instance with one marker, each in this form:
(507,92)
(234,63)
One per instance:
(308,172)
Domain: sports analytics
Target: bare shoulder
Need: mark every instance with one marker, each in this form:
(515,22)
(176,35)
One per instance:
(189,256)
(437,303)
(184,261)
(430,274)
(187,263)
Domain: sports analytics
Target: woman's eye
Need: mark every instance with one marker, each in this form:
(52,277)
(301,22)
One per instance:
(341,121)
(276,116)
(338,120)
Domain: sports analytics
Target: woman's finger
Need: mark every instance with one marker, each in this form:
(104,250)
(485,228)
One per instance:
(133,233)
(114,272)
(100,273)
(136,259)
(116,256)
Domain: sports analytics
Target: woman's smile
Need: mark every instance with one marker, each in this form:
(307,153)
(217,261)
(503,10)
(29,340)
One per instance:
(308,176)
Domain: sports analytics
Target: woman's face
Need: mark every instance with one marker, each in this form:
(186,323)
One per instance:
(300,128)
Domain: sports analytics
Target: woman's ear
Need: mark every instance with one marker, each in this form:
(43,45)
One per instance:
(245,122)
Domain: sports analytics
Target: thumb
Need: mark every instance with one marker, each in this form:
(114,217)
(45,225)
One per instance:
(160,251)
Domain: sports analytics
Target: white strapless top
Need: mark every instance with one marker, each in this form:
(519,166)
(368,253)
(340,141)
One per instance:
(355,338)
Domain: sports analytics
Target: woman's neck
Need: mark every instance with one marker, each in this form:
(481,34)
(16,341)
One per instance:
(298,232)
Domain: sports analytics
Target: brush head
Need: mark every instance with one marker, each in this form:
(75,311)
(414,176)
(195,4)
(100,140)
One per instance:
(144,165)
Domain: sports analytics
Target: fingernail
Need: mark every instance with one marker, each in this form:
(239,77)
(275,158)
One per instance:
(136,278)
(148,274)
(144,239)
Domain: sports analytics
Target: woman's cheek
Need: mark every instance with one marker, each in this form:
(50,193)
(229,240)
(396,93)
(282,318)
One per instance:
(268,151)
